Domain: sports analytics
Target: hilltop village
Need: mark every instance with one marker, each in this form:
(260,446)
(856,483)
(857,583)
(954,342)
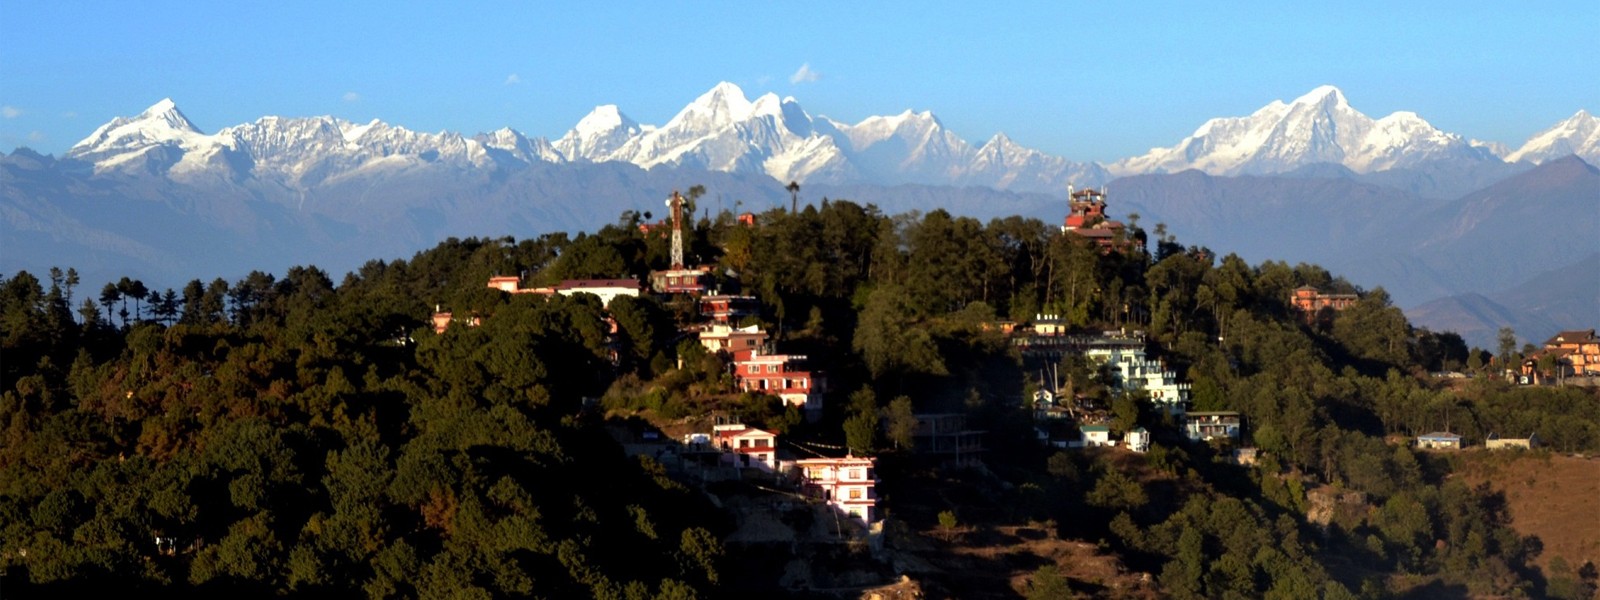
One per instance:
(813,401)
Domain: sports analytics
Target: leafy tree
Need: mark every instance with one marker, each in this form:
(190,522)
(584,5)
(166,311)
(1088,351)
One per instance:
(1508,347)
(889,342)
(900,422)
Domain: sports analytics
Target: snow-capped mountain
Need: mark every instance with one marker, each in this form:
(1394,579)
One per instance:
(1578,135)
(722,130)
(295,151)
(1319,127)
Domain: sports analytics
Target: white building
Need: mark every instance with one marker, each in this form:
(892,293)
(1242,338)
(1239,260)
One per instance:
(848,484)
(1137,440)
(1096,435)
(748,446)
(606,289)
(1131,370)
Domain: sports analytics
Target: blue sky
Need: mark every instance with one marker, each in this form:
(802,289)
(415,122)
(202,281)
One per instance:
(1087,81)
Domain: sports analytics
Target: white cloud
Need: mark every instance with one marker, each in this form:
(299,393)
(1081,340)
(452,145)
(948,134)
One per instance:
(352,97)
(804,75)
(36,136)
(10,112)
(513,79)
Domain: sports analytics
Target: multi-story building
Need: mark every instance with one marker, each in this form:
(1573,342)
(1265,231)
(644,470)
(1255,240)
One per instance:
(847,484)
(1577,353)
(1131,370)
(783,376)
(946,436)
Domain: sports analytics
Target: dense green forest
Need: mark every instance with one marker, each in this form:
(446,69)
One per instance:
(295,435)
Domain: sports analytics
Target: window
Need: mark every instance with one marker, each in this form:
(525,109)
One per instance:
(855,493)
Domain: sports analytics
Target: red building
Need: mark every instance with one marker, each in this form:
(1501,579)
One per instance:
(782,376)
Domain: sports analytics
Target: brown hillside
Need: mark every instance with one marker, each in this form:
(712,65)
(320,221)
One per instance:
(1550,496)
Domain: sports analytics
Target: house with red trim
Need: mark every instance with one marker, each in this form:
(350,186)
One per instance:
(747,447)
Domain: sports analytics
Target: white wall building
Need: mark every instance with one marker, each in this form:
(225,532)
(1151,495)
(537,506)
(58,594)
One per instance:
(1131,370)
(848,484)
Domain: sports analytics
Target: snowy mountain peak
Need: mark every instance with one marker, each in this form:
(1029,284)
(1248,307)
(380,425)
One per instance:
(602,119)
(1318,127)
(1578,134)
(1323,94)
(723,104)
(160,124)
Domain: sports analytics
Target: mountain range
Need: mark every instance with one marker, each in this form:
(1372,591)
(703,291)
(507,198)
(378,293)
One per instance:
(1308,180)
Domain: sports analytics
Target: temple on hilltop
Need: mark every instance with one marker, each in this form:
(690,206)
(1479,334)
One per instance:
(1086,217)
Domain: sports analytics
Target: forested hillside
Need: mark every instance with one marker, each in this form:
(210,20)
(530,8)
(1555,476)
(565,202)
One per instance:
(294,434)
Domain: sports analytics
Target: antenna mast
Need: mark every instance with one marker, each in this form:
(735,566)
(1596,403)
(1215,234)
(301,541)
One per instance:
(676,202)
